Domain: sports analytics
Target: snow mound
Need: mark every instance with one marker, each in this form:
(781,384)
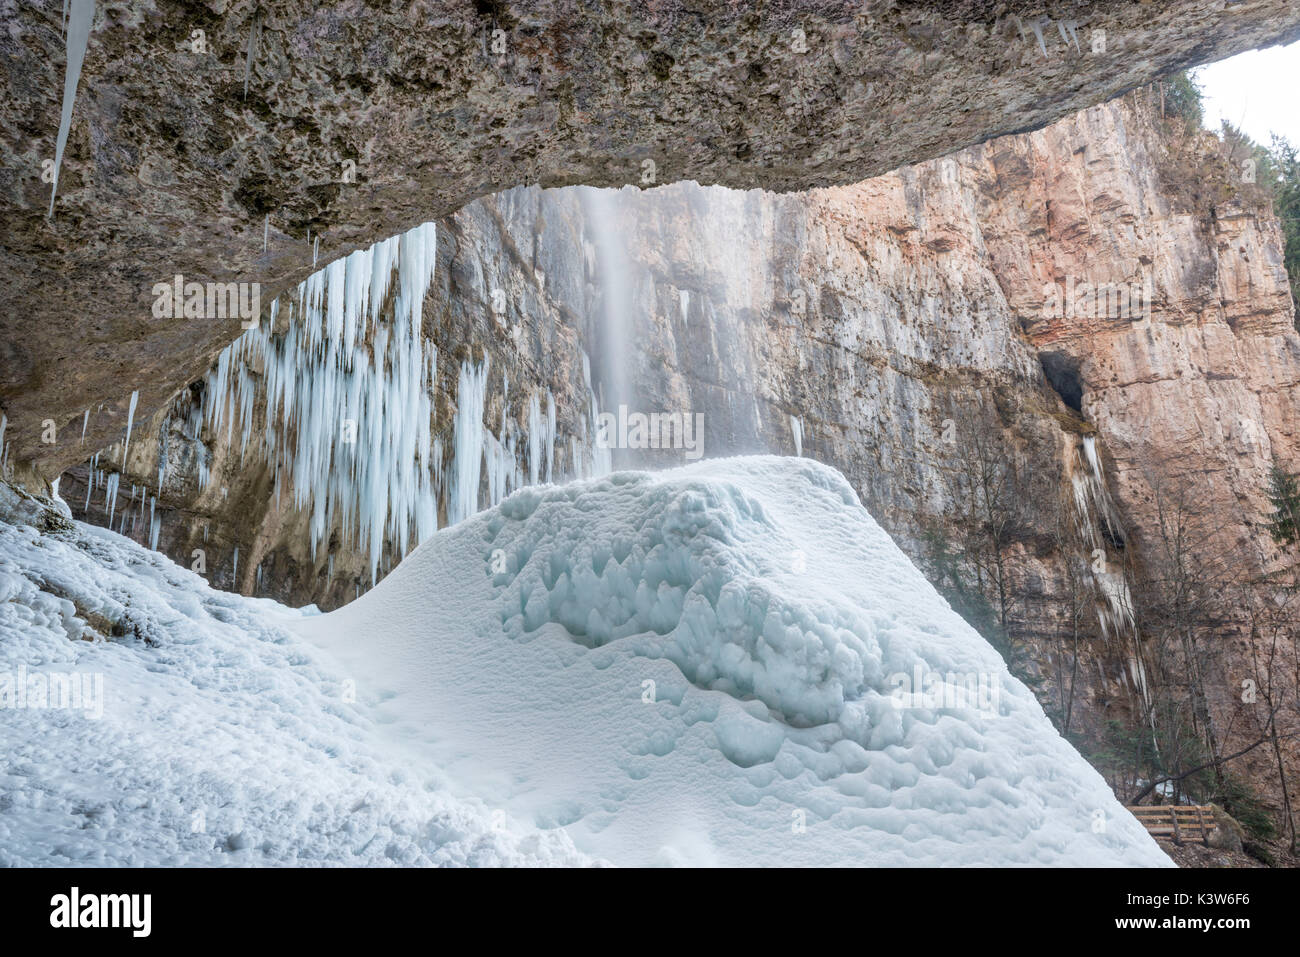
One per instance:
(202,731)
(729,663)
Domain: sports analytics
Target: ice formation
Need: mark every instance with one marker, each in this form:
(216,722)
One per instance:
(1096,520)
(591,458)
(349,424)
(348,393)
(629,668)
(471,394)
(252,51)
(541,439)
(78,18)
(130,421)
(642,662)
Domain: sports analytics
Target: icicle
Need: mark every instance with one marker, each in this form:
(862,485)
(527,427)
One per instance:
(85,421)
(494,452)
(130,420)
(80,15)
(90,480)
(550,433)
(110,496)
(266,232)
(162,457)
(471,395)
(1037,27)
(534,440)
(796,429)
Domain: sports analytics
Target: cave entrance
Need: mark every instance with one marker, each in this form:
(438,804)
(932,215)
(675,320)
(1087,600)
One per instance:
(1062,372)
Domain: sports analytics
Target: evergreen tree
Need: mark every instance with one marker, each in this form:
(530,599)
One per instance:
(1284,493)
(1182,97)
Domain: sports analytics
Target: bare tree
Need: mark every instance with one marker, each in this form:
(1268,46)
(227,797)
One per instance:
(1078,598)
(993,497)
(1185,573)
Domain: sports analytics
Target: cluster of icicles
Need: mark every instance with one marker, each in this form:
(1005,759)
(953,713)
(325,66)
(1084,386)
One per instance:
(348,426)
(349,421)
(130,518)
(1095,510)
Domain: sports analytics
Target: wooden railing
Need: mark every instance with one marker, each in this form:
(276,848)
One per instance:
(1176,822)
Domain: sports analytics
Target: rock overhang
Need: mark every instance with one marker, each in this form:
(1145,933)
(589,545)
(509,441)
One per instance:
(244,141)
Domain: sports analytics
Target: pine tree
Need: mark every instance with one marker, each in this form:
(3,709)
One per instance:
(1284,493)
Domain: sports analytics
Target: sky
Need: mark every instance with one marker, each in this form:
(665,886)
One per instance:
(1258,91)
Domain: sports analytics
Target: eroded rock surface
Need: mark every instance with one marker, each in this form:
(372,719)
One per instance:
(220,140)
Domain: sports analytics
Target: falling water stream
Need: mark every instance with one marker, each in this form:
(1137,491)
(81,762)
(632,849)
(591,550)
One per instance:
(615,338)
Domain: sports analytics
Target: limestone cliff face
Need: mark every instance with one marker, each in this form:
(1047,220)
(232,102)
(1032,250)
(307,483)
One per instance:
(1206,379)
(933,333)
(225,140)
(1193,396)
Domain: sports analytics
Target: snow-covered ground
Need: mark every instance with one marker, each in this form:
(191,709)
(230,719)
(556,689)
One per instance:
(701,666)
(222,737)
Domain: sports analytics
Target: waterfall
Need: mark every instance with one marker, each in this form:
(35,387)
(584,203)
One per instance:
(615,336)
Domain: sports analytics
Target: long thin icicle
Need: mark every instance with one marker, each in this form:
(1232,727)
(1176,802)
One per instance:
(80,15)
(130,421)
